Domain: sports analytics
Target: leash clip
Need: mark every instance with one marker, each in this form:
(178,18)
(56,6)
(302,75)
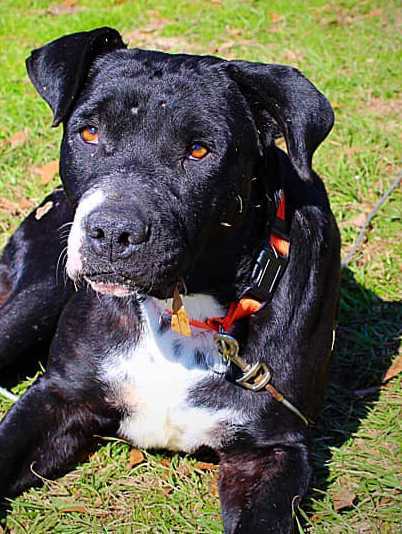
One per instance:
(227,346)
(255,377)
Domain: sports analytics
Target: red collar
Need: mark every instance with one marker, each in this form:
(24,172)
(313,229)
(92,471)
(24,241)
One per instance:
(270,266)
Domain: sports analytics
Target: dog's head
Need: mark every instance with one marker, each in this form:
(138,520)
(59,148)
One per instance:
(159,153)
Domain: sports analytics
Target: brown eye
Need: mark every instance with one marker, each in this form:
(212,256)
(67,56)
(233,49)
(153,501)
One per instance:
(89,134)
(198,151)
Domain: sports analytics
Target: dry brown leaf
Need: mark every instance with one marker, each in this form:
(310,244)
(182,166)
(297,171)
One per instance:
(8,206)
(393,370)
(343,498)
(136,457)
(276,21)
(293,56)
(142,34)
(275,18)
(47,172)
(80,508)
(352,150)
(234,32)
(15,208)
(165,462)
(213,486)
(19,138)
(172,43)
(205,466)
(148,35)
(226,46)
(25,204)
(157,23)
(183,470)
(375,13)
(42,210)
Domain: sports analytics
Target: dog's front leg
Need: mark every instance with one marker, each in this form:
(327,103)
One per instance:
(33,290)
(44,435)
(259,488)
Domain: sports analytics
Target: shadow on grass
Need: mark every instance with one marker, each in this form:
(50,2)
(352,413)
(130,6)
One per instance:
(367,341)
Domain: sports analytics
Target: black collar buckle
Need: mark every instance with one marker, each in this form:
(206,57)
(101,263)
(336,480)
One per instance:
(268,270)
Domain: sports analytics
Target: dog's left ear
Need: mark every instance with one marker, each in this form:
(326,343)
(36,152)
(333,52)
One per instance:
(58,69)
(303,114)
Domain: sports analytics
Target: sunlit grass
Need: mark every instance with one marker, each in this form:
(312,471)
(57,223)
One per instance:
(349,49)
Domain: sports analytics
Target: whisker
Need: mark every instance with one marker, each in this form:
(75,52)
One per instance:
(64,225)
(65,232)
(76,283)
(63,239)
(59,259)
(65,273)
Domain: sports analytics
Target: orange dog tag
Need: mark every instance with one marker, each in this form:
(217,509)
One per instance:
(180,322)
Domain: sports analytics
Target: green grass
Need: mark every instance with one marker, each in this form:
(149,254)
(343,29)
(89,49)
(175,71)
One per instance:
(351,50)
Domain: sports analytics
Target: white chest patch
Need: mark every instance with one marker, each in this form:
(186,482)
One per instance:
(153,381)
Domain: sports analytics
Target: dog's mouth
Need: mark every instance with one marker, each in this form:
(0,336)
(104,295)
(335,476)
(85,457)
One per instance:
(119,285)
(112,284)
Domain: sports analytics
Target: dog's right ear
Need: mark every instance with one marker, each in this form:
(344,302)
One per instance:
(59,69)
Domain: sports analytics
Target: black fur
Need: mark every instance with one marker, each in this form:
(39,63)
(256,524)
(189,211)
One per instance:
(149,108)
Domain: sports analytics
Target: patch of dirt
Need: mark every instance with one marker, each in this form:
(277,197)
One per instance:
(293,57)
(380,106)
(371,251)
(147,36)
(227,48)
(333,14)
(47,171)
(66,7)
(176,44)
(16,140)
(15,208)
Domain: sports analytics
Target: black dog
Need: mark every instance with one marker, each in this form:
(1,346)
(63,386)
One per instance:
(173,182)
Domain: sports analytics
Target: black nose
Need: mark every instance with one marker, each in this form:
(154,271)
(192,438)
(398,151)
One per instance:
(110,235)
